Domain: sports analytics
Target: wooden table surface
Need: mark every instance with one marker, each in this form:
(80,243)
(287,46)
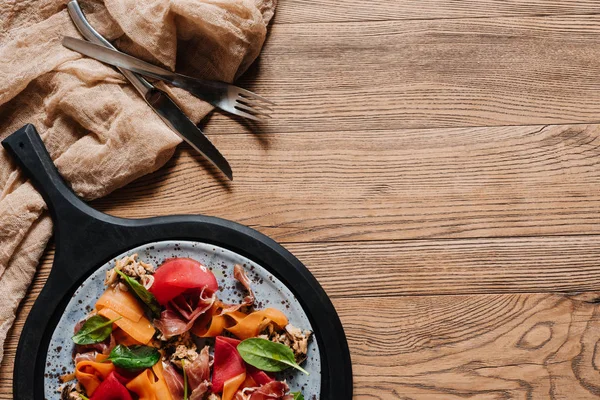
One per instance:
(435,164)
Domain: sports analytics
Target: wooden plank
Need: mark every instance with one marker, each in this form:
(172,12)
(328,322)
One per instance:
(441,267)
(435,267)
(386,185)
(416,74)
(564,264)
(483,347)
(306,11)
(451,347)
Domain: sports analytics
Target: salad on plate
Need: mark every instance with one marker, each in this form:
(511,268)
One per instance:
(164,334)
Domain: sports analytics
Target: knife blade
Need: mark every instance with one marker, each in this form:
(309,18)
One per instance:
(119,59)
(172,115)
(158,100)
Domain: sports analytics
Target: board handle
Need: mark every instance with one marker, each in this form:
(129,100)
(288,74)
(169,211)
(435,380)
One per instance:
(28,150)
(76,226)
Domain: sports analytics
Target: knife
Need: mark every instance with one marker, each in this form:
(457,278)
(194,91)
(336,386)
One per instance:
(158,100)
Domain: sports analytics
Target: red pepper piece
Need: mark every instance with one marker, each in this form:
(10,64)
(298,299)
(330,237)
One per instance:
(231,341)
(227,364)
(112,389)
(260,377)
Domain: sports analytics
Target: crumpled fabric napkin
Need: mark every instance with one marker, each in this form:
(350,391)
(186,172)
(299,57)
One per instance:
(98,130)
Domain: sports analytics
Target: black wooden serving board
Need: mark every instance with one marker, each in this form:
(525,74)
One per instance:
(86,239)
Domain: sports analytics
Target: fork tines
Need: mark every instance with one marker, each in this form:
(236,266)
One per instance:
(253,106)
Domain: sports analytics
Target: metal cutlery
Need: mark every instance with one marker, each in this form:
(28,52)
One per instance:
(158,100)
(230,98)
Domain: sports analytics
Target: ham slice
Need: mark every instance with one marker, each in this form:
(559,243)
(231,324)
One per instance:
(201,391)
(240,275)
(275,390)
(182,312)
(173,380)
(198,371)
(89,356)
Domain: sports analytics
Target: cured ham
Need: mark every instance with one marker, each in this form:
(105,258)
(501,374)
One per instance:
(240,275)
(173,380)
(182,312)
(259,377)
(201,391)
(198,371)
(272,391)
(89,356)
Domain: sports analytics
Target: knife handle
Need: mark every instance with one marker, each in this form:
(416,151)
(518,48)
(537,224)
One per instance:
(88,32)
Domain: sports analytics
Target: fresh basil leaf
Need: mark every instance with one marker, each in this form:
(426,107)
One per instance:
(268,356)
(134,357)
(298,396)
(142,293)
(94,330)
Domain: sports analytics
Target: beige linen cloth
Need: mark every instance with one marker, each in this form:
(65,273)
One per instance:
(99,132)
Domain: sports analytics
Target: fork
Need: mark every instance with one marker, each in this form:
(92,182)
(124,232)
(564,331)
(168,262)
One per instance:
(227,97)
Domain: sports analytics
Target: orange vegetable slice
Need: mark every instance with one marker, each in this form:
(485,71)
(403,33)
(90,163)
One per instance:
(123,303)
(249,382)
(143,385)
(232,385)
(160,386)
(252,324)
(142,330)
(91,373)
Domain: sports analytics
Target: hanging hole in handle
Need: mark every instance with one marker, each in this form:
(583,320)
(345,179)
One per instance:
(21,145)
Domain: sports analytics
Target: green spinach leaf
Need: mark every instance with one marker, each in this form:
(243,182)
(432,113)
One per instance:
(268,356)
(142,293)
(134,357)
(298,396)
(94,330)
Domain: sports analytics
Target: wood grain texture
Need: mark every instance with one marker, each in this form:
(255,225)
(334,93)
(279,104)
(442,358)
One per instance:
(383,185)
(415,74)
(435,164)
(504,346)
(303,11)
(437,267)
(477,347)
